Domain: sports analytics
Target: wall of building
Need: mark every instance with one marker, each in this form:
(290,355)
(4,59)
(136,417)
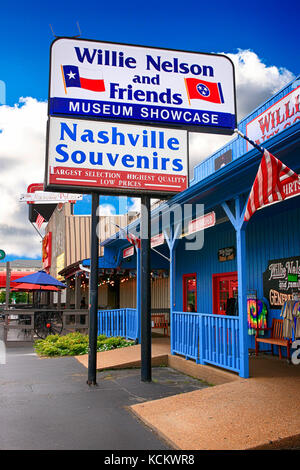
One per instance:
(56,226)
(128,294)
(269,236)
(160,293)
(71,235)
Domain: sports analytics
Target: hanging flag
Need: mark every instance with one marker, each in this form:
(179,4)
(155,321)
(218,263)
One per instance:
(39,220)
(202,90)
(86,79)
(133,240)
(268,185)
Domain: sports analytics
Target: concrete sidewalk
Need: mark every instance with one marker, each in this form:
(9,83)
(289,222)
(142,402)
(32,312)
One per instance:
(130,356)
(46,404)
(260,412)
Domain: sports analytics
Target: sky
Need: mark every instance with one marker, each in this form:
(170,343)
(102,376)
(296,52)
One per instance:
(261,38)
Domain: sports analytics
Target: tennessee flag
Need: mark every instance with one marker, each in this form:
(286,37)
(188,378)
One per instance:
(82,78)
(201,90)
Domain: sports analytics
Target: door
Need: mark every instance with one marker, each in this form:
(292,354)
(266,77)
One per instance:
(225,291)
(189,282)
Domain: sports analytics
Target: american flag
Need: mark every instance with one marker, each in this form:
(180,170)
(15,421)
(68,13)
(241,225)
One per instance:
(268,184)
(39,220)
(133,240)
(130,237)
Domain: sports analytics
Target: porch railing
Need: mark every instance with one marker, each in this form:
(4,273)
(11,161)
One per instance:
(118,322)
(207,338)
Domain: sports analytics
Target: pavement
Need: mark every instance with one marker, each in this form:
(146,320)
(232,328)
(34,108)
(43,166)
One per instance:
(130,356)
(262,412)
(45,404)
(259,413)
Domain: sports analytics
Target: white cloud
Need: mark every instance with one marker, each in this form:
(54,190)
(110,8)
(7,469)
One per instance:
(255,83)
(107,209)
(23,137)
(134,204)
(22,160)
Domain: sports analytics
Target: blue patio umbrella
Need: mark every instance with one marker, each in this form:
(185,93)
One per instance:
(41,278)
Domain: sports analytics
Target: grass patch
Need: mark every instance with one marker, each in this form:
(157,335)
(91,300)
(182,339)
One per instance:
(76,344)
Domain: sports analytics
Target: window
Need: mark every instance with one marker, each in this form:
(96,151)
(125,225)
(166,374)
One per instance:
(189,292)
(225,291)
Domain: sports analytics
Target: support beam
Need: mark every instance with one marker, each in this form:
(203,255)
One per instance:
(77,291)
(68,293)
(239,225)
(138,293)
(172,242)
(59,300)
(242,301)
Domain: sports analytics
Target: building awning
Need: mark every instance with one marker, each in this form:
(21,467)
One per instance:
(13,277)
(157,261)
(234,179)
(70,270)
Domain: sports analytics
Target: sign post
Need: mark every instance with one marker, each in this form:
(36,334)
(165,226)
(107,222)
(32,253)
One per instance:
(93,304)
(145,294)
(7,291)
(102,99)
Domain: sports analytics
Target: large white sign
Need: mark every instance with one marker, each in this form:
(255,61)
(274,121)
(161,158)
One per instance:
(135,83)
(113,157)
(275,119)
(49,198)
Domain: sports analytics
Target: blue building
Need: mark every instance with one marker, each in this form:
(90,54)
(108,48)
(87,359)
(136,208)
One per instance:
(211,287)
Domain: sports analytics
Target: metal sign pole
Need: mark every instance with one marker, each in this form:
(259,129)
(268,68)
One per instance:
(7,291)
(145,294)
(93,307)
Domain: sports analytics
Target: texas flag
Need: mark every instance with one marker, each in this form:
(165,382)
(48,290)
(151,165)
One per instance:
(82,78)
(202,90)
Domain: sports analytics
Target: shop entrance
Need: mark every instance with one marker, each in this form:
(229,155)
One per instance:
(189,292)
(225,292)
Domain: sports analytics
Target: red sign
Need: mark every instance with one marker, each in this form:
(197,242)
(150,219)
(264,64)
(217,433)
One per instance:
(128,252)
(46,250)
(203,222)
(132,180)
(292,189)
(157,240)
(275,119)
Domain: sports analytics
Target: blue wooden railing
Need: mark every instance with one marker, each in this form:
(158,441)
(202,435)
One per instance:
(207,338)
(118,322)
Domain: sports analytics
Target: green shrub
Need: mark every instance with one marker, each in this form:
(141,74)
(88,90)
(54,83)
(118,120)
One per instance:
(75,344)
